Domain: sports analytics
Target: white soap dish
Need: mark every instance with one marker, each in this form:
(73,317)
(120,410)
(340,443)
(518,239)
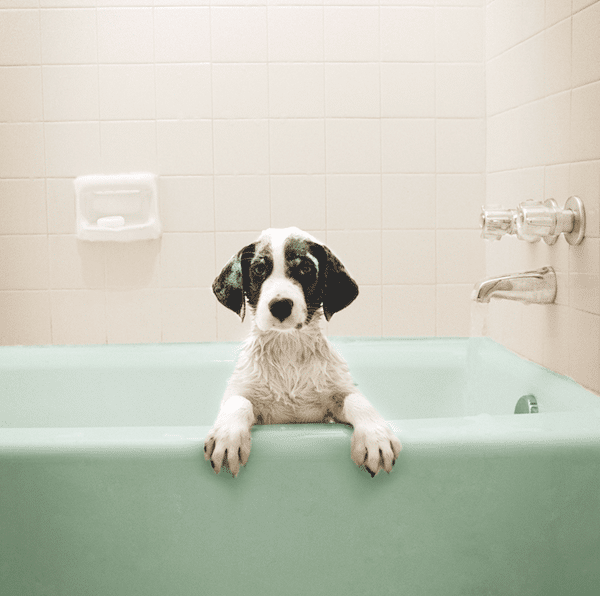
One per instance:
(117,207)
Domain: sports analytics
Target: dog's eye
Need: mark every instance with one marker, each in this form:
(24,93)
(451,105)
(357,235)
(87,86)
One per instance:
(259,269)
(305,269)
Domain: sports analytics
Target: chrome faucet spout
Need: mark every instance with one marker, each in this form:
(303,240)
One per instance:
(530,287)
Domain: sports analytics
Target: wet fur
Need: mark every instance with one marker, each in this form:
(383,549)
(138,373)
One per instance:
(291,377)
(287,370)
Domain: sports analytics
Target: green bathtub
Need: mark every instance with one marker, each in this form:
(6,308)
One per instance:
(104,489)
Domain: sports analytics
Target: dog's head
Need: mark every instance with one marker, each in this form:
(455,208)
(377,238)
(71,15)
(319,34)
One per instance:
(286,275)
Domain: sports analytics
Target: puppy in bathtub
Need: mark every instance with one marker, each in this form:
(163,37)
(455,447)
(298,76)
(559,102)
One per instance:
(287,371)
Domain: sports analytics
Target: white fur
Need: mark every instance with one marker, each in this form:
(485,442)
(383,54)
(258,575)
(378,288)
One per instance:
(278,286)
(286,374)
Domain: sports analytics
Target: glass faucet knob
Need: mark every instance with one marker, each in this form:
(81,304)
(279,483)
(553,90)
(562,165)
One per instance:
(496,221)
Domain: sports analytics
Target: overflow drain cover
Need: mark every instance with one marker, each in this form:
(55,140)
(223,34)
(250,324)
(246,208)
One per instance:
(527,405)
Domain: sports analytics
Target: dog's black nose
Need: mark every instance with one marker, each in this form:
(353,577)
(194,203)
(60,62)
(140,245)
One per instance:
(281,309)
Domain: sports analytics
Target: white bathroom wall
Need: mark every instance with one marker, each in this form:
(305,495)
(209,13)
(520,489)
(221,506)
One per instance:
(543,141)
(359,121)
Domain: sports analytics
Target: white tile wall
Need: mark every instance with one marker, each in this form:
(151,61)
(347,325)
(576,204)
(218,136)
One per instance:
(361,121)
(543,141)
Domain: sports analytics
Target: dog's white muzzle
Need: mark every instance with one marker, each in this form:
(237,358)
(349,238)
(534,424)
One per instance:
(281,306)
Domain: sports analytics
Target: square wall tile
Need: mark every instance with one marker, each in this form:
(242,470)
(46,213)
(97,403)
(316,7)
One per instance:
(188,315)
(184,147)
(351,34)
(127,91)
(125,35)
(72,148)
(353,201)
(183,91)
(586,46)
(408,145)
(297,146)
(24,102)
(22,150)
(460,145)
(408,257)
(298,200)
(187,260)
(19,37)
(409,311)
(459,34)
(460,91)
(408,201)
(78,317)
(240,90)
(242,203)
(460,256)
(408,90)
(459,198)
(25,318)
(295,34)
(182,34)
(75,264)
(24,262)
(239,34)
(362,155)
(296,91)
(133,316)
(241,146)
(70,92)
(407,34)
(186,203)
(22,207)
(69,36)
(133,266)
(128,146)
(352,90)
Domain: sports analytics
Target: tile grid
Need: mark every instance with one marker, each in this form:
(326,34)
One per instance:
(338,120)
(567,336)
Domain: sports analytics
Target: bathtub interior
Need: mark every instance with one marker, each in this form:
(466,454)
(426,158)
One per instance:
(473,506)
(182,384)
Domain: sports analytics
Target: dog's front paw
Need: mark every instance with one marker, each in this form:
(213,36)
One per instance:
(227,444)
(375,447)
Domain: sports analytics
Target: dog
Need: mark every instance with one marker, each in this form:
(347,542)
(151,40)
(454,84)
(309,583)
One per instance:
(287,370)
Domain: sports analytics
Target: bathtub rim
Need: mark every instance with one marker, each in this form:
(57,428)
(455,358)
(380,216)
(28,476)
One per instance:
(477,434)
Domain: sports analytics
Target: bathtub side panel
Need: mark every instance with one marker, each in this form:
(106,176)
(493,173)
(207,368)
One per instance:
(301,519)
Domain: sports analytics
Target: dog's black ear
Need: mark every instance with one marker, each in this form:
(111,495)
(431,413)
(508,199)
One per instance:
(230,283)
(339,289)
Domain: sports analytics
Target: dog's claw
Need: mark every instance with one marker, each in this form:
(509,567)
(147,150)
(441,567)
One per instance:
(221,444)
(375,447)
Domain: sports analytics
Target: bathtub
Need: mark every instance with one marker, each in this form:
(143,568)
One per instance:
(104,489)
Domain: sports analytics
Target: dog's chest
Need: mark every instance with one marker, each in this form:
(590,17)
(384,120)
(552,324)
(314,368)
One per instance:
(288,381)
(293,379)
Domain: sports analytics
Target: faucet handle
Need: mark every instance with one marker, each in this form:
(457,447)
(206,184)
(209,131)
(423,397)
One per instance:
(547,220)
(496,221)
(536,220)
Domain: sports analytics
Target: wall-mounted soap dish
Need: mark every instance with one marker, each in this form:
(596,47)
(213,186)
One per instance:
(117,207)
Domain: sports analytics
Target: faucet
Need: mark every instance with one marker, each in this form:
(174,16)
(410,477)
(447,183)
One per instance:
(530,287)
